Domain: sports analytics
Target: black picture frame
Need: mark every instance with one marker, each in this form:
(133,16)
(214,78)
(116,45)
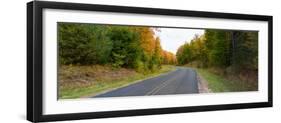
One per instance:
(35,69)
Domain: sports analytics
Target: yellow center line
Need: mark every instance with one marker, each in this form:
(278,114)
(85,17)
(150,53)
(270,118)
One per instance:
(158,88)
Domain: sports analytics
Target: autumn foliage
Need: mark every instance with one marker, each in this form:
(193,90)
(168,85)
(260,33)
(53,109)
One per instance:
(120,46)
(233,51)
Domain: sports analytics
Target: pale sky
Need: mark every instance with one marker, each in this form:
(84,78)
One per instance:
(173,38)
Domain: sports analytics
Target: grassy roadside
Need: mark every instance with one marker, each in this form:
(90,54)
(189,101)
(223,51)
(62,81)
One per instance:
(218,83)
(77,81)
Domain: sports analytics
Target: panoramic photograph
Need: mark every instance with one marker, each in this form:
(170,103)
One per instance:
(101,60)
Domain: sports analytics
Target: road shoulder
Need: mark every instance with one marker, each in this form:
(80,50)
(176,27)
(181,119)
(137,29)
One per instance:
(202,84)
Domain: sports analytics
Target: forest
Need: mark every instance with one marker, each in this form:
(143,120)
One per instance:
(223,49)
(120,46)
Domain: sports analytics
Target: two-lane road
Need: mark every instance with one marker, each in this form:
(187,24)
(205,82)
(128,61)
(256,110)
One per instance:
(180,81)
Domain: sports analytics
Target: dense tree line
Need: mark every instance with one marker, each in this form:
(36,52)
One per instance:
(120,46)
(236,50)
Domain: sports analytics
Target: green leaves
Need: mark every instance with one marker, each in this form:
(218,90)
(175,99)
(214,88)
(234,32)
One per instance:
(222,48)
(83,44)
(118,60)
(119,46)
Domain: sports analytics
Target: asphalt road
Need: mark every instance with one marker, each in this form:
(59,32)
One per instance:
(180,81)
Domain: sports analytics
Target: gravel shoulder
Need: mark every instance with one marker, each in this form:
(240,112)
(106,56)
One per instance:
(203,84)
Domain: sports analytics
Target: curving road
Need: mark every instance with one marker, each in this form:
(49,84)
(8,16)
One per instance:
(180,81)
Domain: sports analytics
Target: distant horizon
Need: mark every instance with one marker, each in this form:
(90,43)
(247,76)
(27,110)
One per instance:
(172,38)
